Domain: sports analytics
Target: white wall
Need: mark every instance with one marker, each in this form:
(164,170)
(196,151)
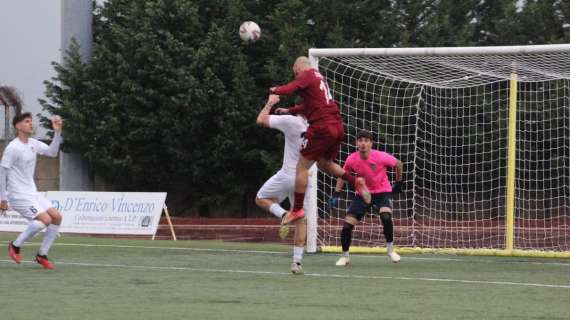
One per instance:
(29,41)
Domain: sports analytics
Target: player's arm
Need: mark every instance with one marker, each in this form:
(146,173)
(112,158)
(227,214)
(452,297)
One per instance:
(398,184)
(53,148)
(294,110)
(8,159)
(399,170)
(3,184)
(290,88)
(339,185)
(263,116)
(335,198)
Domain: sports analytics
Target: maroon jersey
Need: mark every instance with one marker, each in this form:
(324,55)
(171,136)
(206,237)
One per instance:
(318,104)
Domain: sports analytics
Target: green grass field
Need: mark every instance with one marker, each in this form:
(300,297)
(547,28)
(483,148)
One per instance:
(98,278)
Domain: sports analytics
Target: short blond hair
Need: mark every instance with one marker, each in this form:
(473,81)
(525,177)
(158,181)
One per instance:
(302,61)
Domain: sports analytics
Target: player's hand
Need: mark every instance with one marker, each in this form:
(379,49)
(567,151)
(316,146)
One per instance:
(273,99)
(281,111)
(272,90)
(397,186)
(56,123)
(334,200)
(3,207)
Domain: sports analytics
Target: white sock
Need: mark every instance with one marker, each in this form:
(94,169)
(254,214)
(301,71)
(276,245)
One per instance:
(49,237)
(390,246)
(277,210)
(298,254)
(33,228)
(345,254)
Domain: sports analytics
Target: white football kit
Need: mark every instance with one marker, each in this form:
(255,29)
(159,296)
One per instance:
(19,163)
(282,184)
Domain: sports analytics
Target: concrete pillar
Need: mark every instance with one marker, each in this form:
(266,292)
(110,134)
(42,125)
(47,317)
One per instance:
(76,22)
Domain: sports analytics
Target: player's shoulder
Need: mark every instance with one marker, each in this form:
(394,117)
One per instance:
(34,141)
(355,156)
(299,121)
(288,120)
(382,156)
(14,144)
(377,153)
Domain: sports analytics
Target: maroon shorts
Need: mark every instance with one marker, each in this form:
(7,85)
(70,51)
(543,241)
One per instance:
(323,141)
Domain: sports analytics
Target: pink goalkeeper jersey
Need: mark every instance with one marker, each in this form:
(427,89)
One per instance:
(373,169)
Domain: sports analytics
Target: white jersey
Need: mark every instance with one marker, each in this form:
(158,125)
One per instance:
(20,161)
(294,128)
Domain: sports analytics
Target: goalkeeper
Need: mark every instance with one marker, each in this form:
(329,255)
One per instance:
(371,165)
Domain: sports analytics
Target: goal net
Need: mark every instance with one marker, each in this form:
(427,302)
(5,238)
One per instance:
(484,135)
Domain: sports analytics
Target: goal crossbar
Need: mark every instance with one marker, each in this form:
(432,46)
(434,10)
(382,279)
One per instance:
(439,51)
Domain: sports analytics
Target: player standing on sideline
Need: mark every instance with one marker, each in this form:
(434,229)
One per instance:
(282,184)
(17,178)
(370,164)
(323,138)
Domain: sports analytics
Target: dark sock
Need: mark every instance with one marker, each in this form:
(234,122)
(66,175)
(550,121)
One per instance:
(350,178)
(346,236)
(388,226)
(299,199)
(17,249)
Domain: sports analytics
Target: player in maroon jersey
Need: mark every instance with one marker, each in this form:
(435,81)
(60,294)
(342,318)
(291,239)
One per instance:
(322,140)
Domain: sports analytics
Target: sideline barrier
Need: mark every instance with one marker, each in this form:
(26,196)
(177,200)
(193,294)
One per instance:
(129,213)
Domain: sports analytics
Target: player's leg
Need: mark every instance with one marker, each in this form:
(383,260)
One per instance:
(336,170)
(331,143)
(50,235)
(301,181)
(271,205)
(355,213)
(299,246)
(273,192)
(385,205)
(30,210)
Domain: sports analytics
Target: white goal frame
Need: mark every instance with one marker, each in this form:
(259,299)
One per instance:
(316,54)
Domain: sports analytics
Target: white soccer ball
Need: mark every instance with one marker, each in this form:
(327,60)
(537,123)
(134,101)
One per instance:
(249,31)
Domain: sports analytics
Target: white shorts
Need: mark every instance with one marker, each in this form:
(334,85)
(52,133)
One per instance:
(31,206)
(280,186)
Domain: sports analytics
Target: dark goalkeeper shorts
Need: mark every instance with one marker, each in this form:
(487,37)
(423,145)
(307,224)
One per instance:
(323,141)
(358,207)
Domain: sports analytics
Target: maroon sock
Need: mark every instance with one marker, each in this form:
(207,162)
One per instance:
(299,199)
(350,178)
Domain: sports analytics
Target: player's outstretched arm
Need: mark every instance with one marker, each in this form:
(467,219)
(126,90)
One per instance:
(399,170)
(53,148)
(398,184)
(290,88)
(263,116)
(335,198)
(3,184)
(56,123)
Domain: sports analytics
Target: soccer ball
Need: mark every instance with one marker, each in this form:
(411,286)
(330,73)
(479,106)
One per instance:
(249,31)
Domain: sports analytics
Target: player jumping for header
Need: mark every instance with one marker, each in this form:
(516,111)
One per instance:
(322,140)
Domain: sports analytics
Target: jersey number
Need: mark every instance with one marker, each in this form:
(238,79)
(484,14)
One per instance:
(325,88)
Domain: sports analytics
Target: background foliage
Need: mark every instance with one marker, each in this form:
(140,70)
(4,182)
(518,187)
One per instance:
(169,98)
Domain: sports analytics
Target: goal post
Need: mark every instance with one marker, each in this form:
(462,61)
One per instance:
(484,135)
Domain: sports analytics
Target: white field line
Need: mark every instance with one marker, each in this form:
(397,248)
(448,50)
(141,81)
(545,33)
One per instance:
(373,256)
(316,275)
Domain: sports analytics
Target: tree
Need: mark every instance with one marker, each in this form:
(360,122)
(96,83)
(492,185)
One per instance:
(167,102)
(541,22)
